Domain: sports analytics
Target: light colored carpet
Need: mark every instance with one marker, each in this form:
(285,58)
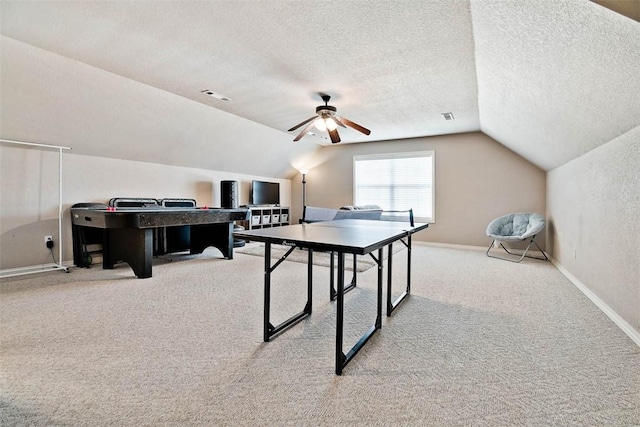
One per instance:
(480,342)
(363,263)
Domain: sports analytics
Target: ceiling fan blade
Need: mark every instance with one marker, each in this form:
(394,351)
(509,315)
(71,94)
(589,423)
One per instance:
(355,126)
(304,131)
(338,121)
(335,138)
(303,123)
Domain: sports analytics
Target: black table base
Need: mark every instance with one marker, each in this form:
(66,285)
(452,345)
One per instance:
(340,237)
(342,359)
(135,235)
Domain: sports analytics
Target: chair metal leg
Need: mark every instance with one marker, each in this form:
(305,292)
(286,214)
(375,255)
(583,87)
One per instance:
(524,254)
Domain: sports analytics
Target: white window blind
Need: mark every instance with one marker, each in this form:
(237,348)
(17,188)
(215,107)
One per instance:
(397,181)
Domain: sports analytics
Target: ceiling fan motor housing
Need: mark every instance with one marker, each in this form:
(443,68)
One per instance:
(320,109)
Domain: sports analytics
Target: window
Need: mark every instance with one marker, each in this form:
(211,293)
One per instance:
(397,181)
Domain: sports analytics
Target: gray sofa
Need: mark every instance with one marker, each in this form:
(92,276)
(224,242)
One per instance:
(317,214)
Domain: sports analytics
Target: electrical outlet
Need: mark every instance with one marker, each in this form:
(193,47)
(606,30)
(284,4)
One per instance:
(48,241)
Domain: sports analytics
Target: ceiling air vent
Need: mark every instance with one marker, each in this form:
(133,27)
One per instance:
(215,95)
(447,116)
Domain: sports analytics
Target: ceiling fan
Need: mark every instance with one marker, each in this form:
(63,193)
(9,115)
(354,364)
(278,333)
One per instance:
(327,119)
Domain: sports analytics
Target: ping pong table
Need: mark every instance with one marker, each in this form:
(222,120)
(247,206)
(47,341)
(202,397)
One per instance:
(348,236)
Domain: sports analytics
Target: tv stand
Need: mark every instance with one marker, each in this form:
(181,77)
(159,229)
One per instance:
(267,216)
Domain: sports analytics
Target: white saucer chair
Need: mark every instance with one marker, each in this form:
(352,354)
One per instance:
(516,227)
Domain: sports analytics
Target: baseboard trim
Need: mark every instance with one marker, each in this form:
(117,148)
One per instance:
(611,314)
(471,248)
(449,245)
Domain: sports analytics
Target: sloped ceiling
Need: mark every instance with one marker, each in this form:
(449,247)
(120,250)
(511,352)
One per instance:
(555,78)
(549,79)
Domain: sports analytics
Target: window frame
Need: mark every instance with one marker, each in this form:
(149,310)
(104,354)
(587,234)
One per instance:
(400,155)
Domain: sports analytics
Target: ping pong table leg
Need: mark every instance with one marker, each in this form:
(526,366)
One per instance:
(341,359)
(332,289)
(389,279)
(379,312)
(269,330)
(267,291)
(354,280)
(392,305)
(307,308)
(409,264)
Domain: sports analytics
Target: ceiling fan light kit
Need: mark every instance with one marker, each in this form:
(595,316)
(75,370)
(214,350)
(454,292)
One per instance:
(327,120)
(324,124)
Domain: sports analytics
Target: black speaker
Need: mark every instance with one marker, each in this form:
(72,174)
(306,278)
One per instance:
(229,194)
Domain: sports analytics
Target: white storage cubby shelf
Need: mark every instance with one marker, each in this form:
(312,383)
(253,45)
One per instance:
(268,216)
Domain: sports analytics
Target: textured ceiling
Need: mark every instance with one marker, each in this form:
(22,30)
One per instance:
(556,78)
(548,79)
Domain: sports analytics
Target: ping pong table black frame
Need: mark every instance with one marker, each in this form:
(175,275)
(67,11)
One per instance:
(391,304)
(270,331)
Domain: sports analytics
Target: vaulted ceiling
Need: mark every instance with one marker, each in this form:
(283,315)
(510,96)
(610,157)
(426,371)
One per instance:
(550,80)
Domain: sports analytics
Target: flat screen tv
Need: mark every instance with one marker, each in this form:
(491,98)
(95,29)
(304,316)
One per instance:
(265,193)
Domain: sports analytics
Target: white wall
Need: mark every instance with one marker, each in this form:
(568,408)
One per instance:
(594,209)
(29,194)
(477,180)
